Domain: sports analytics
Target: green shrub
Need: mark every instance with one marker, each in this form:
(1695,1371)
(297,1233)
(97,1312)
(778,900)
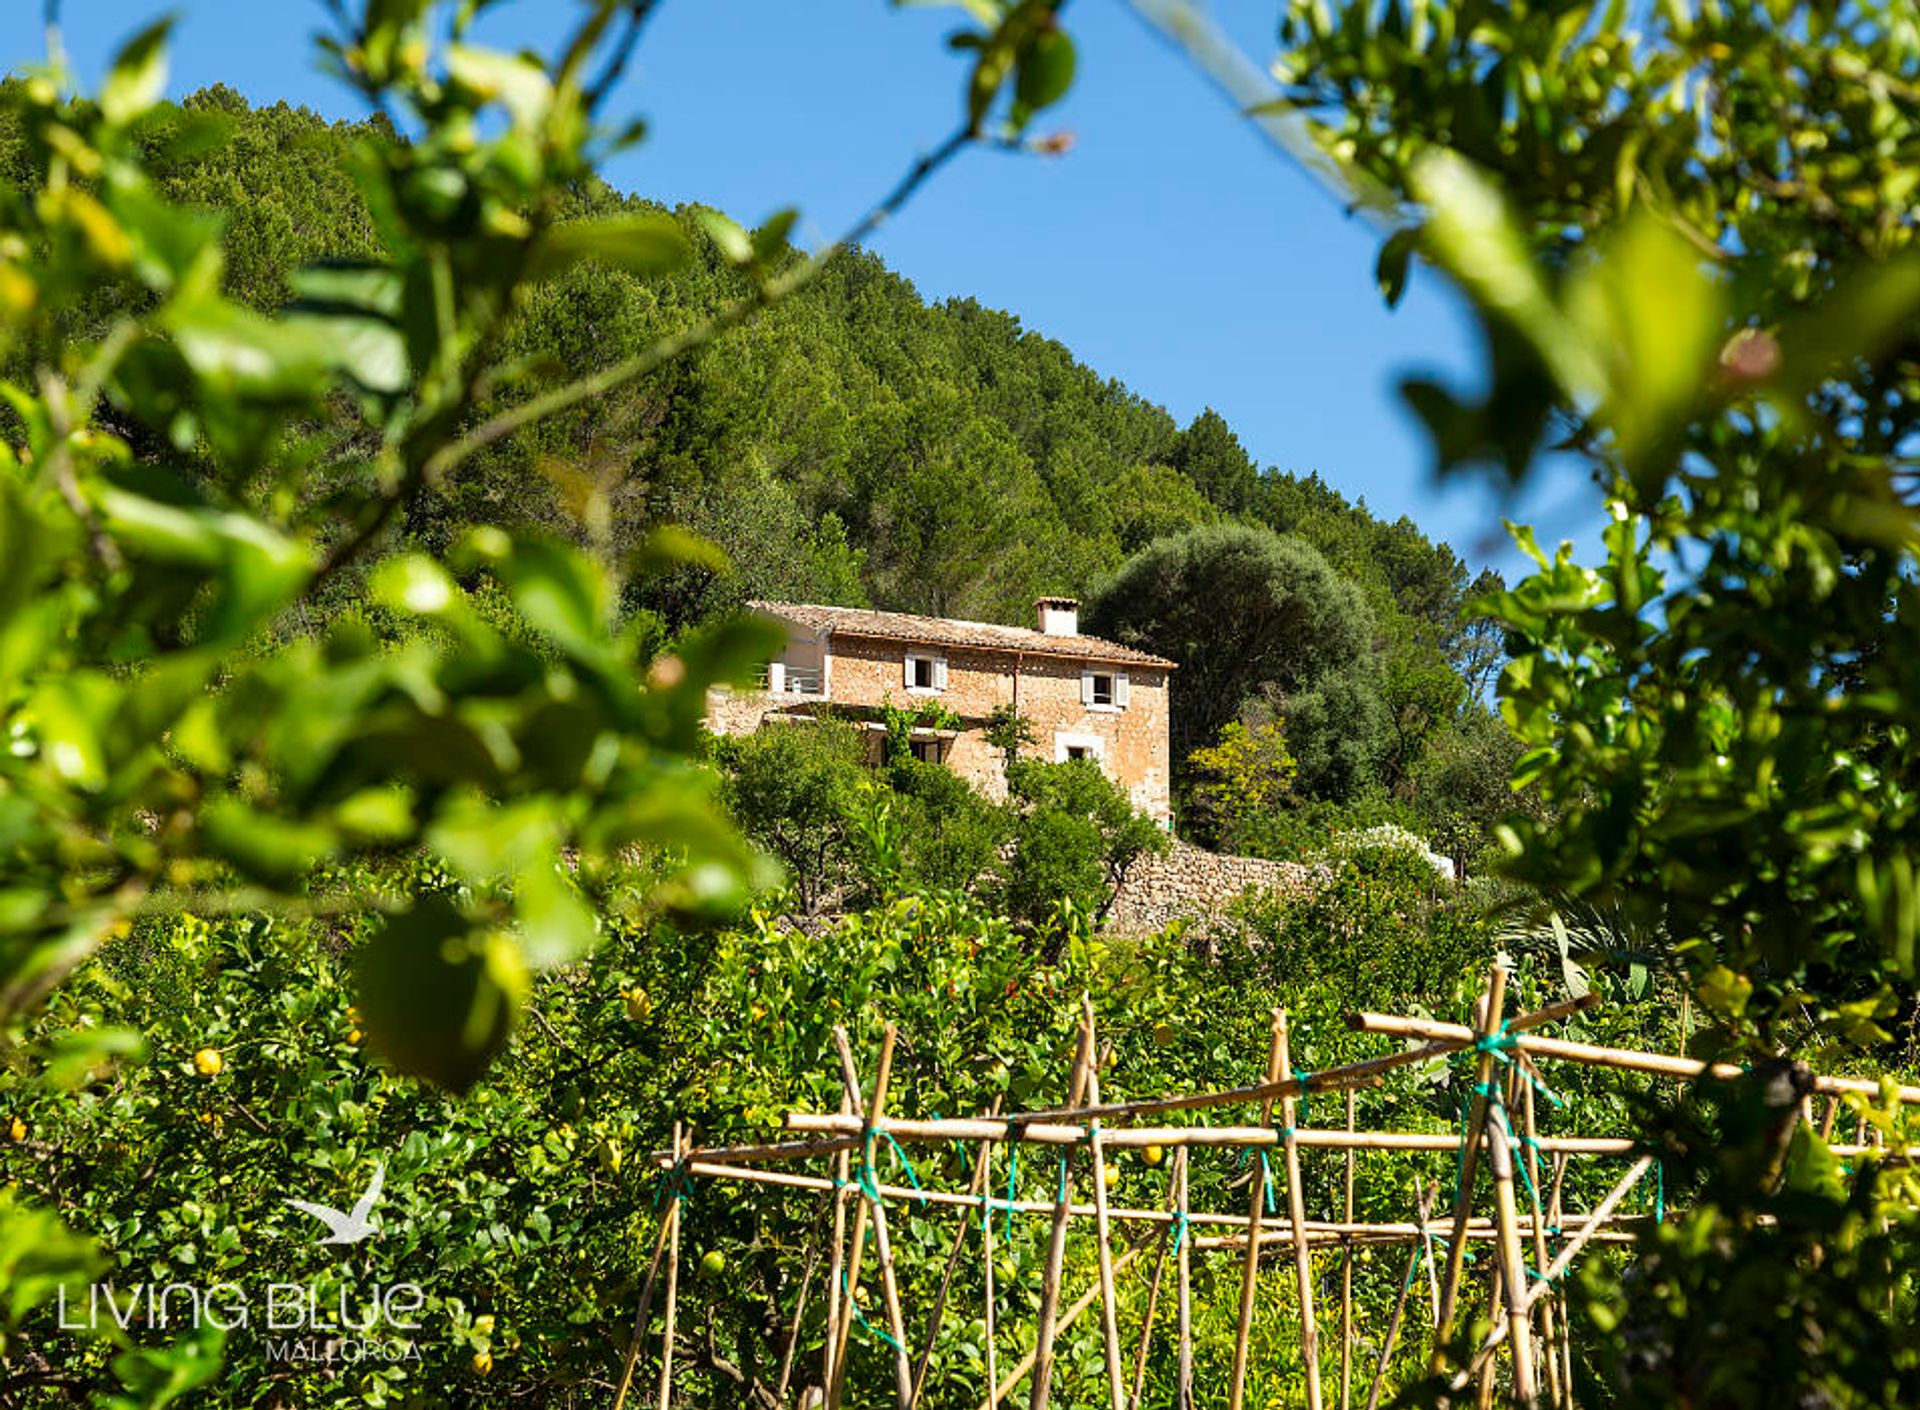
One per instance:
(791,789)
(1075,838)
(952,835)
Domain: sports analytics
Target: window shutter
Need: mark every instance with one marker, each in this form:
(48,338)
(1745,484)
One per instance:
(1120,689)
(908,670)
(1086,687)
(940,674)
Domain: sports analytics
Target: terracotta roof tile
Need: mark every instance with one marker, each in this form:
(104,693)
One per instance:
(948,631)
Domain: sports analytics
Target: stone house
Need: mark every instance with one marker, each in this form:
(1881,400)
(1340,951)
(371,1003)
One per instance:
(1080,697)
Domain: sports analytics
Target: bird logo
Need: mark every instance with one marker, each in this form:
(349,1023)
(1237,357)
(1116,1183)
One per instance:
(351,1227)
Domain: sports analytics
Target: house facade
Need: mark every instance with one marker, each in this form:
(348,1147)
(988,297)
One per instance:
(1079,696)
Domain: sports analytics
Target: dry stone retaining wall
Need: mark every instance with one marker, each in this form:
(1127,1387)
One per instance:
(1192,883)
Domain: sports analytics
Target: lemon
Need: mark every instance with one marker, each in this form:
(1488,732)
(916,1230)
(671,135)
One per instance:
(18,1129)
(639,1004)
(1153,1155)
(714,1263)
(482,1362)
(1111,1175)
(483,1325)
(208,1062)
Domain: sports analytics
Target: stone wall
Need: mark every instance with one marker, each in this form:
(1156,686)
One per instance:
(1191,883)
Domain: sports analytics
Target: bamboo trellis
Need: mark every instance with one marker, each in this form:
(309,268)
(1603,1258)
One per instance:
(1528,1323)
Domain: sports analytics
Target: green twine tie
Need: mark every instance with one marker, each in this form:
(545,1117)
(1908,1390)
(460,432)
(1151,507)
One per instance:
(861,1317)
(672,1179)
(1500,1045)
(906,1165)
(1180,1222)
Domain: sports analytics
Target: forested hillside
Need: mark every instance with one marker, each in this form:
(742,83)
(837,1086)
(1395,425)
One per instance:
(858,445)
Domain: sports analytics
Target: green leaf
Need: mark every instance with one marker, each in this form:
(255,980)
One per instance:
(561,592)
(771,238)
(1396,258)
(670,547)
(275,850)
(438,997)
(516,82)
(258,568)
(38,1256)
(1471,233)
(556,924)
(138,76)
(414,584)
(734,245)
(985,11)
(82,1055)
(235,350)
(356,307)
(646,245)
(1045,71)
(1650,311)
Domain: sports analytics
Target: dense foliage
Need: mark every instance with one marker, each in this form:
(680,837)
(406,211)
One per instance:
(526,1210)
(1687,232)
(849,833)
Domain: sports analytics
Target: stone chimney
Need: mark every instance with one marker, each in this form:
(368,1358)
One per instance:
(1059,616)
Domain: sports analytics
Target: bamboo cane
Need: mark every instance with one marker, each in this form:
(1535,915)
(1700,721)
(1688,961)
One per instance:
(1346,1278)
(1554,1299)
(1066,1319)
(1491,1003)
(1548,1308)
(1250,1269)
(1326,1230)
(1109,1310)
(1595,1223)
(1621,1059)
(640,1317)
(868,1115)
(1832,1115)
(1513,1266)
(987,1313)
(1388,1236)
(882,1244)
(976,1186)
(1424,1199)
(800,1305)
(1146,1323)
(1297,1214)
(1483,1389)
(1184,1373)
(909,1130)
(673,1286)
(1423,1208)
(837,1192)
(1042,1363)
(1358,1074)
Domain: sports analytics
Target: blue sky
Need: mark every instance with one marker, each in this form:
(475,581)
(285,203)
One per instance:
(1172,248)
